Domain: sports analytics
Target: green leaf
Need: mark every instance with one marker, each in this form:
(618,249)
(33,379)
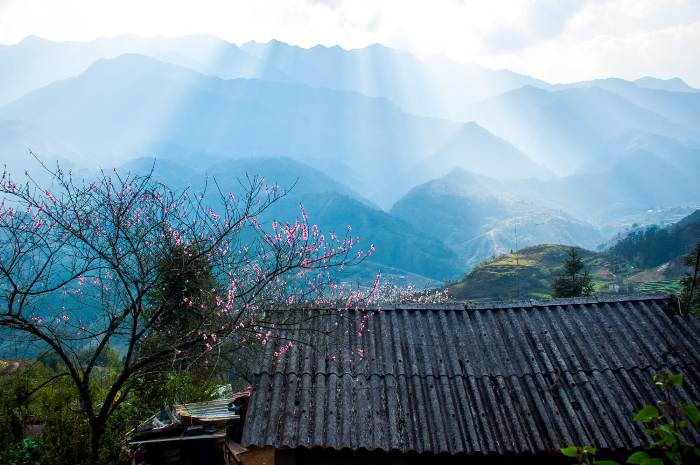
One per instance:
(605,462)
(696,451)
(667,435)
(692,412)
(675,379)
(571,451)
(652,461)
(637,457)
(646,414)
(675,457)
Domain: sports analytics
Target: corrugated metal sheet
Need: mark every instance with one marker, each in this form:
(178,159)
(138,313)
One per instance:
(517,378)
(211,410)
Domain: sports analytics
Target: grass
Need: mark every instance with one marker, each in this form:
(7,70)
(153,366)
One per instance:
(672,286)
(514,260)
(536,266)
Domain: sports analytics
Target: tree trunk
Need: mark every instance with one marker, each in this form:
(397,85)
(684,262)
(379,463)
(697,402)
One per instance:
(96,431)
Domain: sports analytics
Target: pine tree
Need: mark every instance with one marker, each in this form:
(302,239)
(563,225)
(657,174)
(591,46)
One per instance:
(573,280)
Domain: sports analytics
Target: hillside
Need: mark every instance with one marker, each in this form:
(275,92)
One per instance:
(526,274)
(648,260)
(654,246)
(477,220)
(402,252)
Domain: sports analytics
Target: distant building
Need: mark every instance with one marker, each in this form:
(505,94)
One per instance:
(478,384)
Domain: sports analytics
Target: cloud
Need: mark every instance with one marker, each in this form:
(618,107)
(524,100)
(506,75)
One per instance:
(551,39)
(331,4)
(536,21)
(663,53)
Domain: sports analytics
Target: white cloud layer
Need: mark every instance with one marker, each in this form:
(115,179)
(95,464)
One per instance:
(557,40)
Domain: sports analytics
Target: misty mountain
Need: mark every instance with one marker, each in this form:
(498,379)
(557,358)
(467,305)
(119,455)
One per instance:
(351,124)
(402,252)
(471,149)
(560,130)
(567,129)
(648,172)
(399,245)
(673,84)
(434,87)
(679,107)
(35,62)
(134,106)
(477,219)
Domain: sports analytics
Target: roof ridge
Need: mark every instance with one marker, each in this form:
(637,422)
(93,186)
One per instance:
(466,375)
(497,304)
(585,300)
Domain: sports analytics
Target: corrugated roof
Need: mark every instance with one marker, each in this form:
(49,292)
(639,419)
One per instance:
(524,377)
(211,410)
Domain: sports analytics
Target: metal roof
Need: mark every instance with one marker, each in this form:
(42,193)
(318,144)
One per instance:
(211,410)
(525,377)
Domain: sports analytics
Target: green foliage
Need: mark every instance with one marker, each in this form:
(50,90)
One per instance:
(669,286)
(585,455)
(690,283)
(182,291)
(37,394)
(525,273)
(653,246)
(573,281)
(664,422)
(24,453)
(173,387)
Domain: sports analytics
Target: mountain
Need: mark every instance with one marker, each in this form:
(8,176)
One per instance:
(17,138)
(402,253)
(35,62)
(434,87)
(398,244)
(679,107)
(673,84)
(547,161)
(526,273)
(648,173)
(568,129)
(478,219)
(426,87)
(645,260)
(654,246)
(472,149)
(564,127)
(134,105)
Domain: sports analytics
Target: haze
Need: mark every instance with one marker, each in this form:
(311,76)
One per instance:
(553,40)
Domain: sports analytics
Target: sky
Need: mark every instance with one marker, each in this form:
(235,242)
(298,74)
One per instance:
(555,40)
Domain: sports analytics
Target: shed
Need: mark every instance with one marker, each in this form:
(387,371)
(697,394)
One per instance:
(467,383)
(203,433)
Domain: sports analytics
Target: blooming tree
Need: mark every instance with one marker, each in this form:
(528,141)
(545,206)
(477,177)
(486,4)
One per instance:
(81,264)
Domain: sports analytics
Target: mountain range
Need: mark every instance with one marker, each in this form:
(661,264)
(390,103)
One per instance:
(440,164)
(645,260)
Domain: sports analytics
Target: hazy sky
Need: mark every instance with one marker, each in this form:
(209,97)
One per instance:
(557,40)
